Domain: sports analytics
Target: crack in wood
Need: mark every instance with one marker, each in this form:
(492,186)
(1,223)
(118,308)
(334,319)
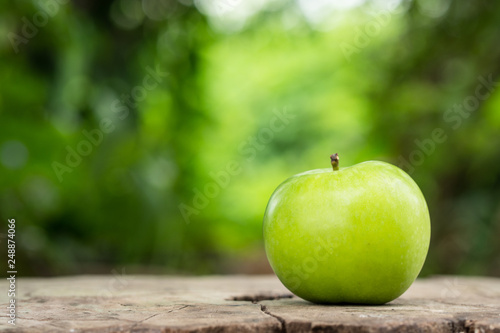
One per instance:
(260,297)
(264,309)
(141,321)
(156,314)
(183,307)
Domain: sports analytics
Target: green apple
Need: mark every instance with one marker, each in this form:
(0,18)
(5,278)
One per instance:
(358,234)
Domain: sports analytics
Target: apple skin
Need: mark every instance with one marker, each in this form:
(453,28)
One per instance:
(359,234)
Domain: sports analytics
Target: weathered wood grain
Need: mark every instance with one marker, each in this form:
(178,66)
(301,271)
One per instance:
(124,303)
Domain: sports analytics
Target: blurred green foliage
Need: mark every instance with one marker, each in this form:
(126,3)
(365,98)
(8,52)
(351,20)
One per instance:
(373,81)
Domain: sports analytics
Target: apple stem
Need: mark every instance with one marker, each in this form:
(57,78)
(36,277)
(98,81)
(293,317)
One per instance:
(335,161)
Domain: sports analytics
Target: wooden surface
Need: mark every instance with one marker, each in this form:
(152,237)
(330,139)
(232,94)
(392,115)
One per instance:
(124,303)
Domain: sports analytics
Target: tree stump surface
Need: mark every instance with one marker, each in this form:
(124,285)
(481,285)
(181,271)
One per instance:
(124,303)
